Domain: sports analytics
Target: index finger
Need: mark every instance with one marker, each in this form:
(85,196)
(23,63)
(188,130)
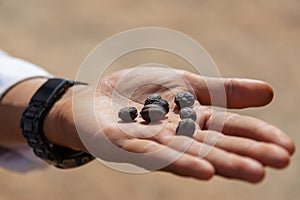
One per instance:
(240,93)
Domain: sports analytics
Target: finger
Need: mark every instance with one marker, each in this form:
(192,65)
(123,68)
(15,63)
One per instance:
(249,127)
(266,153)
(238,93)
(154,156)
(225,163)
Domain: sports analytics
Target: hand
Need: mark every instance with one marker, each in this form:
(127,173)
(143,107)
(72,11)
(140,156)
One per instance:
(239,149)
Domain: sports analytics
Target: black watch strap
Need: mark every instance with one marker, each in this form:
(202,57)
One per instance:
(32,126)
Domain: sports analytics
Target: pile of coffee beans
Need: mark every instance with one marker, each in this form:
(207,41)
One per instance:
(187,126)
(155,109)
(156,99)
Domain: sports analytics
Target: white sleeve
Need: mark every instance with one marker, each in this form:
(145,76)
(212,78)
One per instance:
(12,71)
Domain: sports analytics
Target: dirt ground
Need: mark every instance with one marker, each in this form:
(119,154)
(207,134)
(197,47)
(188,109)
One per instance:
(250,39)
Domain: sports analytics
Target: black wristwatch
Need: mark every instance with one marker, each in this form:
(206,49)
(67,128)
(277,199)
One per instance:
(32,126)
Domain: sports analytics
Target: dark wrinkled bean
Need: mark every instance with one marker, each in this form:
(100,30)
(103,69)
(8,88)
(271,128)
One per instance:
(163,103)
(152,98)
(128,114)
(156,99)
(152,113)
(186,127)
(184,99)
(188,113)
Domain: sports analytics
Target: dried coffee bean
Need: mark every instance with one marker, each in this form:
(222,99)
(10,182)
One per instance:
(163,103)
(128,114)
(188,113)
(156,99)
(184,99)
(152,98)
(152,113)
(186,127)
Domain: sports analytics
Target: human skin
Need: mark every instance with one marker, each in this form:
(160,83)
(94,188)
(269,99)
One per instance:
(244,145)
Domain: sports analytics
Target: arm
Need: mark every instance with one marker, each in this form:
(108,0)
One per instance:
(231,157)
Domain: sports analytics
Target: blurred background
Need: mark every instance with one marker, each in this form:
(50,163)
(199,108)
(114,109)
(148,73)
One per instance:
(251,39)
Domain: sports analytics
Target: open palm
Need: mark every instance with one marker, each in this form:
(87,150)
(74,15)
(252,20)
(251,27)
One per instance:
(226,144)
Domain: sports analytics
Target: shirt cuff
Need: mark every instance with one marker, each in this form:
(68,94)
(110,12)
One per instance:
(12,71)
(20,159)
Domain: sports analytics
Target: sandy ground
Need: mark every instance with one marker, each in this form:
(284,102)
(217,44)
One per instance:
(253,39)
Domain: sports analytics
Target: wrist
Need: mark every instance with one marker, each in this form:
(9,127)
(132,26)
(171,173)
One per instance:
(59,125)
(11,108)
(55,147)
